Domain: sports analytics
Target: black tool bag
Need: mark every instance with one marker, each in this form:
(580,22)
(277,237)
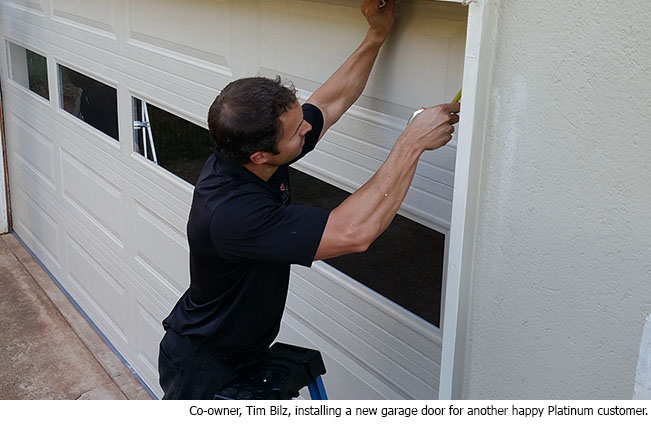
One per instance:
(279,375)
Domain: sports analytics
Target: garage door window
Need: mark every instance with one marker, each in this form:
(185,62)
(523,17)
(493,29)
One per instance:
(405,264)
(29,69)
(170,141)
(90,100)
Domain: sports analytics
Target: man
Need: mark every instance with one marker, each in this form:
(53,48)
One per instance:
(243,231)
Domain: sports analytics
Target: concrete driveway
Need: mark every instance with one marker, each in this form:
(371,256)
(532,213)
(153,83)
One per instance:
(48,350)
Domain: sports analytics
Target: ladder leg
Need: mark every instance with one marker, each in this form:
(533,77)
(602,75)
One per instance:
(317,390)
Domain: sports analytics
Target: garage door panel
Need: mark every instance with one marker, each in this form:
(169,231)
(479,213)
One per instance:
(149,334)
(96,14)
(155,300)
(360,154)
(78,135)
(26,5)
(166,194)
(311,37)
(373,337)
(316,37)
(94,195)
(333,170)
(147,81)
(422,62)
(360,384)
(382,317)
(150,275)
(153,305)
(104,320)
(161,250)
(437,191)
(335,139)
(177,27)
(31,218)
(364,342)
(422,205)
(98,290)
(371,128)
(443,157)
(435,173)
(35,150)
(351,151)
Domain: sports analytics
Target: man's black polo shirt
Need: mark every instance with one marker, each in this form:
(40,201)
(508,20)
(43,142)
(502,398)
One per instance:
(243,235)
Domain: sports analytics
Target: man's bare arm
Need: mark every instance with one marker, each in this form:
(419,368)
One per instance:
(364,215)
(345,86)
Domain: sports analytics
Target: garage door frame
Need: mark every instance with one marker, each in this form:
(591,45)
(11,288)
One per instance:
(482,21)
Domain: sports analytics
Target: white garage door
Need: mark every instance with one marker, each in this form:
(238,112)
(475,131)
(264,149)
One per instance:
(109,224)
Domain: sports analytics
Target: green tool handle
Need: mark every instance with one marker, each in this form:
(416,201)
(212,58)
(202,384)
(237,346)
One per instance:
(457,97)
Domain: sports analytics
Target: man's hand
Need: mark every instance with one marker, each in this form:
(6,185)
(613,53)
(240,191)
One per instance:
(343,88)
(433,127)
(380,19)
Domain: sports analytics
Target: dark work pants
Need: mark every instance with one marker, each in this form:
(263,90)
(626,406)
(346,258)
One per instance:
(190,371)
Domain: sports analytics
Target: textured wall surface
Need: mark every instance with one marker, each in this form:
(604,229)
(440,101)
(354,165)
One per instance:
(643,374)
(562,272)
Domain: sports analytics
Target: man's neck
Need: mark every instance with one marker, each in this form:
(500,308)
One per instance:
(263,171)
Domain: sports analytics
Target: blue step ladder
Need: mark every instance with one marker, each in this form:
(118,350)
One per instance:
(280,375)
(317,389)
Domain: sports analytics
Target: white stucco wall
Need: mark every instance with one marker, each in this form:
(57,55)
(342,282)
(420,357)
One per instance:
(561,278)
(642,389)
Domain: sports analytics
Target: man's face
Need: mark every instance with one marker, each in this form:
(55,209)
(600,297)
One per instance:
(294,129)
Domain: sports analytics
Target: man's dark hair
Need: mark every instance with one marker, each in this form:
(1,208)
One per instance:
(245,117)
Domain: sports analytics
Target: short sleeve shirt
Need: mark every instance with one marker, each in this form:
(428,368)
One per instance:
(244,234)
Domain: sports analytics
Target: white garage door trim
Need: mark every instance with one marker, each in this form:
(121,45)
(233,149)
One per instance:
(481,23)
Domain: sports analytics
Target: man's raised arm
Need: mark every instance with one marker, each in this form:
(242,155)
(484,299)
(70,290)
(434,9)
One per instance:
(364,215)
(343,88)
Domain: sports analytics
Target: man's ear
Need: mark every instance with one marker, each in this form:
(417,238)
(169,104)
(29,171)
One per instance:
(258,157)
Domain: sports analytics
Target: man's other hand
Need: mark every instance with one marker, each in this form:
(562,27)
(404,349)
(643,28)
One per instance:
(379,19)
(433,128)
